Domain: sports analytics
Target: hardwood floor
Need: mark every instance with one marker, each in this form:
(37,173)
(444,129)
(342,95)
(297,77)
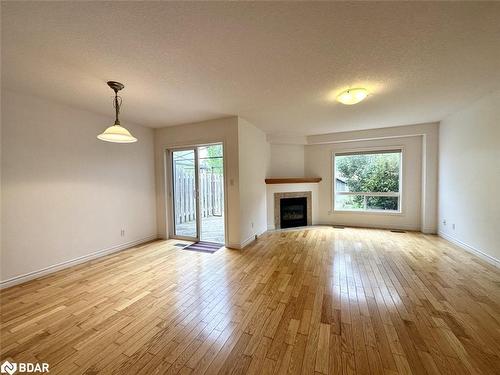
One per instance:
(315,301)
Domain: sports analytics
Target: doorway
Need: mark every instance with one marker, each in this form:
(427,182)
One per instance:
(197,186)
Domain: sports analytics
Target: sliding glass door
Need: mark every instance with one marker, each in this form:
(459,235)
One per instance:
(185,192)
(197,186)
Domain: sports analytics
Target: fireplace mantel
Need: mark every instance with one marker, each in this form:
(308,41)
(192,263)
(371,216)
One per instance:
(293,180)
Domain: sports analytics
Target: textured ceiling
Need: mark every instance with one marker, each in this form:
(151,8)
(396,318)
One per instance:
(275,64)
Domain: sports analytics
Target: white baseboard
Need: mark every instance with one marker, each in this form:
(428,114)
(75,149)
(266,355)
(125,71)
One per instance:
(240,246)
(492,260)
(72,262)
(248,241)
(407,227)
(430,230)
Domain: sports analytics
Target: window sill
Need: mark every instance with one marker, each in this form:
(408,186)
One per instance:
(371,212)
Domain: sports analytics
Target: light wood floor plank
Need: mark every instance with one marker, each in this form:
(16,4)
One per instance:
(307,301)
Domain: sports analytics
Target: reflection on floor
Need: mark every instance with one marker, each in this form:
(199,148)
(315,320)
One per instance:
(212,229)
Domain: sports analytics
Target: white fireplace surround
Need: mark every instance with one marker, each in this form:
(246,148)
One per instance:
(311,188)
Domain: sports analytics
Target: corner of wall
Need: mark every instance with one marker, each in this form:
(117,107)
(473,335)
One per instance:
(253,160)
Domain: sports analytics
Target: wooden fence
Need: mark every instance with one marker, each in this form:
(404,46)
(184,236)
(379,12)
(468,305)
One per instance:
(211,188)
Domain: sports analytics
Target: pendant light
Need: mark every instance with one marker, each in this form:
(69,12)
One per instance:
(117,133)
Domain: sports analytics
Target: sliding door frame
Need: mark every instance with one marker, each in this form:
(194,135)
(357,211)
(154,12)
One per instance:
(196,194)
(169,191)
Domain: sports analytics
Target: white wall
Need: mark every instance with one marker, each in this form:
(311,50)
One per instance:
(223,130)
(65,194)
(469,176)
(319,162)
(287,160)
(254,153)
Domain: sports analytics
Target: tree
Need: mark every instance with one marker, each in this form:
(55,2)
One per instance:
(370,173)
(214,159)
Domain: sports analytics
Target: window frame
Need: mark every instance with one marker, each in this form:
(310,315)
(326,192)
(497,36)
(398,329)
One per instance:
(383,149)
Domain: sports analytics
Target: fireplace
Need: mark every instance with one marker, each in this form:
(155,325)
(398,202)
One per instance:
(293,212)
(292,209)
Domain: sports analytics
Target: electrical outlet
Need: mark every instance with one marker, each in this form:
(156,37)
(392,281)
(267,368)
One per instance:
(252,224)
(122,233)
(453,226)
(444,221)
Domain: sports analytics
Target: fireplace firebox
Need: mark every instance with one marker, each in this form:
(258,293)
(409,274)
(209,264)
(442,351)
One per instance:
(293,212)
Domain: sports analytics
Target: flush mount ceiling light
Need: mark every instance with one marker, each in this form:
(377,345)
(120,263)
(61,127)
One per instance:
(117,133)
(352,96)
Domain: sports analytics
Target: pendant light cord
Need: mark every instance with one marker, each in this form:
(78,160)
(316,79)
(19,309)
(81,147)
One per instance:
(117,104)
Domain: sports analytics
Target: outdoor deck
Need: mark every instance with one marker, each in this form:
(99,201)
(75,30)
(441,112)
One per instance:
(212,229)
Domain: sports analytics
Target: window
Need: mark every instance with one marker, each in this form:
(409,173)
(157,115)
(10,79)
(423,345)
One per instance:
(368,181)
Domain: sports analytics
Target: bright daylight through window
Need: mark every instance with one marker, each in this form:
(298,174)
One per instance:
(368,181)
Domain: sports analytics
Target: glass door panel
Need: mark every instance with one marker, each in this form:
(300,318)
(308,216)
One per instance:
(185,202)
(211,193)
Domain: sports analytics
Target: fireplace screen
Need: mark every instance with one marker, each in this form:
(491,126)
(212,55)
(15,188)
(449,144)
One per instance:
(293,212)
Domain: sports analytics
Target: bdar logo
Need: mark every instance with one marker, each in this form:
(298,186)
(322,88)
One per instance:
(9,368)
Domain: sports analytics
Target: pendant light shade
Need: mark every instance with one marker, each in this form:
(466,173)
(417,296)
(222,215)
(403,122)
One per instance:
(116,133)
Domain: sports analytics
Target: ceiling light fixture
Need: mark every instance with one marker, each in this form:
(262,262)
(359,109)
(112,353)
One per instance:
(352,96)
(117,133)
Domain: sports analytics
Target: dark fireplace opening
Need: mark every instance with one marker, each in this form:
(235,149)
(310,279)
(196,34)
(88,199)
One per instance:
(293,212)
